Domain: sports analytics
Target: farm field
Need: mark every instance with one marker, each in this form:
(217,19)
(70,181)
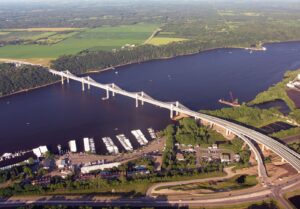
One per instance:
(72,42)
(164,40)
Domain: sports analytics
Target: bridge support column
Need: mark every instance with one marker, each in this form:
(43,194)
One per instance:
(177,105)
(282,160)
(136,100)
(68,80)
(113,86)
(107,93)
(62,80)
(143,97)
(82,86)
(89,86)
(228,132)
(263,148)
(171,111)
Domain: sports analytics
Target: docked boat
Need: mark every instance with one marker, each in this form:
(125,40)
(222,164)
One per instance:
(140,137)
(110,146)
(152,133)
(125,142)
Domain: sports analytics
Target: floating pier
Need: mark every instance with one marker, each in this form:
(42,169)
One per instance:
(125,142)
(140,137)
(152,133)
(110,146)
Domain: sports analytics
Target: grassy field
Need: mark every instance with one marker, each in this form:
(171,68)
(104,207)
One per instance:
(163,40)
(219,186)
(103,38)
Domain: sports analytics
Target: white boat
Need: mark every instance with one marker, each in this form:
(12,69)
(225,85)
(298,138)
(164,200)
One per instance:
(72,146)
(152,133)
(125,142)
(92,145)
(110,146)
(140,137)
(86,144)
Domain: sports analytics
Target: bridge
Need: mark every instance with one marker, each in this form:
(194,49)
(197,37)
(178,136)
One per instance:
(246,134)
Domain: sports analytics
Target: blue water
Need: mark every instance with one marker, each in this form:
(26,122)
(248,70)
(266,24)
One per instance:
(55,114)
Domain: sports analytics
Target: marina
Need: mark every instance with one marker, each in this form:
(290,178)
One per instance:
(110,146)
(125,142)
(139,137)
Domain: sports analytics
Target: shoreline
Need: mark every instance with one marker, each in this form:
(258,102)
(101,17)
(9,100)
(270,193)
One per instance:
(93,71)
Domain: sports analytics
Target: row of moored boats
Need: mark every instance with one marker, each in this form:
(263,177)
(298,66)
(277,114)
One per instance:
(89,144)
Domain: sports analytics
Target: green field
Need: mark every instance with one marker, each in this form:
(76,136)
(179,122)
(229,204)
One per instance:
(234,183)
(103,38)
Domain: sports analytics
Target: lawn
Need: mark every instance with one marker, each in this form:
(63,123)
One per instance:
(103,38)
(234,183)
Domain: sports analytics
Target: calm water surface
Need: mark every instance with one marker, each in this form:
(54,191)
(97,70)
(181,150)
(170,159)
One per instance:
(56,114)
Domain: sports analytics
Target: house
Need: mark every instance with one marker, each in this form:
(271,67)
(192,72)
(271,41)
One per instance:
(214,146)
(225,158)
(237,158)
(48,164)
(180,157)
(62,163)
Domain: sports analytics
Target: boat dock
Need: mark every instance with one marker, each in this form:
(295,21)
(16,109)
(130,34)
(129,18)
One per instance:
(152,133)
(125,142)
(89,145)
(140,137)
(110,146)
(72,146)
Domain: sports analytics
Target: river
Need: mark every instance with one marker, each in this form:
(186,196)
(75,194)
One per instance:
(56,114)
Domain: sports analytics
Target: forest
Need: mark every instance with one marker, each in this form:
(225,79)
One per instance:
(16,78)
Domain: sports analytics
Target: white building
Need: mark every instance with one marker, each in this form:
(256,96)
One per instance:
(88,169)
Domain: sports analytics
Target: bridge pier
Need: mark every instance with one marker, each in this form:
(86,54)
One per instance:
(228,132)
(143,97)
(89,86)
(62,80)
(107,93)
(282,160)
(82,82)
(136,100)
(171,111)
(68,80)
(177,105)
(113,93)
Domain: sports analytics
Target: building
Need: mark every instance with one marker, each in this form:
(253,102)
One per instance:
(48,164)
(237,158)
(62,163)
(225,158)
(90,168)
(180,157)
